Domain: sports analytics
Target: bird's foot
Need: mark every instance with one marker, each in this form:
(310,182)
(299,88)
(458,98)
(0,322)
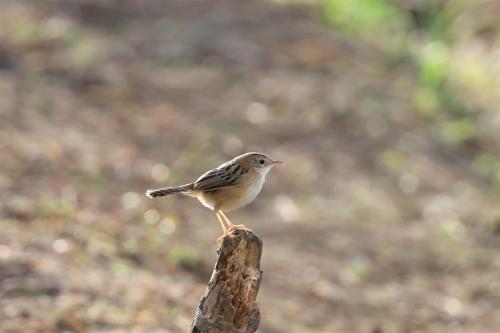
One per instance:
(221,237)
(239,227)
(233,231)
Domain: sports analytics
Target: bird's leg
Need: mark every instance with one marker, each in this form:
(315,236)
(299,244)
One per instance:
(233,226)
(221,221)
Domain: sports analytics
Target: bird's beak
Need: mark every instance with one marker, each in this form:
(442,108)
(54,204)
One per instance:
(277,162)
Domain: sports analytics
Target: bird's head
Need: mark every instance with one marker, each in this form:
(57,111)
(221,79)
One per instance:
(257,161)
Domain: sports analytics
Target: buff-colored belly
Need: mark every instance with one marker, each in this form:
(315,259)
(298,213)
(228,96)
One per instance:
(231,198)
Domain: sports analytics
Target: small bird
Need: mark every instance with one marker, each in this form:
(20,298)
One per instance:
(228,187)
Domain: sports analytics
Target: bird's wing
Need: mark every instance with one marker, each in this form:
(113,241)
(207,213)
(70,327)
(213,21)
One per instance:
(224,176)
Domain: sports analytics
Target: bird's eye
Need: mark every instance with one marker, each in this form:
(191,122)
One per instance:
(262,161)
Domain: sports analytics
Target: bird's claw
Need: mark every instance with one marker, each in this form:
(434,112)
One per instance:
(232,232)
(239,227)
(224,235)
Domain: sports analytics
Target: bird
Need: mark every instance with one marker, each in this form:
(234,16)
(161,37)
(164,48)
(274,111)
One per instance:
(228,187)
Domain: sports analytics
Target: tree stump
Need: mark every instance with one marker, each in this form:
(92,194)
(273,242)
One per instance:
(228,305)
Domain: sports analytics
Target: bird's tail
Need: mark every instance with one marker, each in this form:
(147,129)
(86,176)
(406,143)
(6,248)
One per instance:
(169,190)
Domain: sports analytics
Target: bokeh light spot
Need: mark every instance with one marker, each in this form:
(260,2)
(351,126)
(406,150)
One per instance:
(61,246)
(160,172)
(167,226)
(286,208)
(233,146)
(130,200)
(152,216)
(5,252)
(257,113)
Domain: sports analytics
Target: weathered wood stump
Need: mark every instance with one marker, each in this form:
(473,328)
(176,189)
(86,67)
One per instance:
(228,305)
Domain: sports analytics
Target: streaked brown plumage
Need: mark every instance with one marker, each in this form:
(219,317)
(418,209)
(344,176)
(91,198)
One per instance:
(228,187)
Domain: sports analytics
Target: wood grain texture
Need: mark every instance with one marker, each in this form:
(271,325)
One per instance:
(228,305)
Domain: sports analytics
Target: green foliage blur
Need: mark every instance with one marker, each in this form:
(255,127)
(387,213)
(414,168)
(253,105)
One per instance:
(447,49)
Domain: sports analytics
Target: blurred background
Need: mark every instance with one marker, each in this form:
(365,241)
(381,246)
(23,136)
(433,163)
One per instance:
(386,217)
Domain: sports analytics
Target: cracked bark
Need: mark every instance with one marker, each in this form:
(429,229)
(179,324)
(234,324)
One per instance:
(228,305)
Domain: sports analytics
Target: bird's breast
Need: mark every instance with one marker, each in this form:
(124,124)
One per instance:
(253,190)
(244,195)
